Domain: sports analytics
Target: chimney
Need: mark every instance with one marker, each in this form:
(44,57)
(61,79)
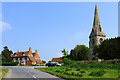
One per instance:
(36,51)
(30,49)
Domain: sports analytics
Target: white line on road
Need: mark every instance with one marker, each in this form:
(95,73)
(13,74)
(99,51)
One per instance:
(34,77)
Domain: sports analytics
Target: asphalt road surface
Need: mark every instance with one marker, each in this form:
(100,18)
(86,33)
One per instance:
(27,73)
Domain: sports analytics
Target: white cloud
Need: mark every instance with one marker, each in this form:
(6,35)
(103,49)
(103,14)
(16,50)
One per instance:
(4,26)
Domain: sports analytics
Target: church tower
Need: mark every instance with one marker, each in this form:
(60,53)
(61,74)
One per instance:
(97,36)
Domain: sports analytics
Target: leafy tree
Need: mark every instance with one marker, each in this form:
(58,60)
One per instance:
(80,52)
(108,49)
(65,53)
(43,61)
(6,55)
(67,61)
(49,61)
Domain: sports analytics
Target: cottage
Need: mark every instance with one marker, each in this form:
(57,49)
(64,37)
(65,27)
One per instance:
(27,58)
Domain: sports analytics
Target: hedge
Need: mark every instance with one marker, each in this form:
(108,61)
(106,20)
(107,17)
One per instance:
(9,63)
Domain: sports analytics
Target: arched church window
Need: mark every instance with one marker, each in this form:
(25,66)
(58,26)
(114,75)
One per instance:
(101,40)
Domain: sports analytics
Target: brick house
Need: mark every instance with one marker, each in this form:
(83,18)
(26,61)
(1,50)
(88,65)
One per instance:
(27,58)
(57,60)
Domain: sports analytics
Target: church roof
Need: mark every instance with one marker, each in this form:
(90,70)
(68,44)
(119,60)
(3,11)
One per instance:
(97,29)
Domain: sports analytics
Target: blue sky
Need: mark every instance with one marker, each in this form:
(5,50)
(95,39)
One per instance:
(50,27)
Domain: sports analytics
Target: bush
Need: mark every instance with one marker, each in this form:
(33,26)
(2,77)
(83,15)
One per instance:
(77,74)
(82,71)
(9,63)
(67,61)
(68,73)
(97,73)
(57,71)
(78,69)
(68,69)
(35,65)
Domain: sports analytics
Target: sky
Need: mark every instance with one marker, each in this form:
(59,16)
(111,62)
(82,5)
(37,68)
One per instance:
(51,27)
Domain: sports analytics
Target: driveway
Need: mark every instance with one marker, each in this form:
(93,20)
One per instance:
(27,73)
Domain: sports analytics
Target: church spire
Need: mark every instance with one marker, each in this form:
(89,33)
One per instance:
(96,30)
(96,17)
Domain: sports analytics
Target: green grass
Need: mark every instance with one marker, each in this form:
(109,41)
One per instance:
(3,71)
(79,72)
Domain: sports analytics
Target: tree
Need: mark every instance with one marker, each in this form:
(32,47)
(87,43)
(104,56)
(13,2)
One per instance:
(80,52)
(49,61)
(43,61)
(108,49)
(65,53)
(6,55)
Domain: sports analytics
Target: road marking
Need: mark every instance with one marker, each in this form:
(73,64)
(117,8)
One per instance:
(34,77)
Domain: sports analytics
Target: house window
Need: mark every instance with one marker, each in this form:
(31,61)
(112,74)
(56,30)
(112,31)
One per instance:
(34,62)
(23,58)
(23,63)
(14,58)
(18,58)
(27,58)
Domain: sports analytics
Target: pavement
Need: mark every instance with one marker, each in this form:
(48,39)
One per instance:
(27,73)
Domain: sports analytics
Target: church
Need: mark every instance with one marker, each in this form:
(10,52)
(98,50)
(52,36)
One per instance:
(97,36)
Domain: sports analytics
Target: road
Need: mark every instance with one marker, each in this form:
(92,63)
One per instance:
(27,73)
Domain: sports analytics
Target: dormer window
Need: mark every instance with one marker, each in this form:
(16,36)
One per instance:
(15,54)
(23,54)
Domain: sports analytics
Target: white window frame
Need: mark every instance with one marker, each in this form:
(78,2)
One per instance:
(18,58)
(14,59)
(23,62)
(23,58)
(34,62)
(23,54)
(28,58)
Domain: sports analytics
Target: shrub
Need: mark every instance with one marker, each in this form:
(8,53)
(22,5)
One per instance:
(68,73)
(57,71)
(97,73)
(82,71)
(78,69)
(68,69)
(9,63)
(67,61)
(77,74)
(35,65)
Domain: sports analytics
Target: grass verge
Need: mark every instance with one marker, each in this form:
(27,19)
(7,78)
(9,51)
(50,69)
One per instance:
(81,72)
(3,71)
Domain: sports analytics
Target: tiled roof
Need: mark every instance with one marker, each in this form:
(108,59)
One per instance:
(20,54)
(56,60)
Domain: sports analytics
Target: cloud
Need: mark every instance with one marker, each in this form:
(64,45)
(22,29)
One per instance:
(4,26)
